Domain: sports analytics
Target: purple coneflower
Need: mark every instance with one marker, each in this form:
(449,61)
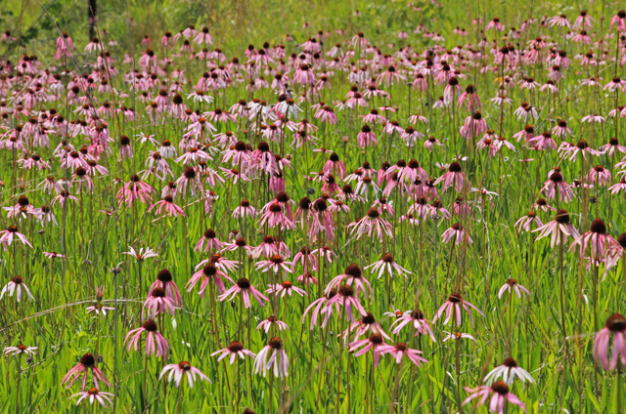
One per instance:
(20,350)
(158,302)
(232,351)
(278,359)
(415,318)
(375,343)
(352,275)
(511,285)
(500,394)
(508,370)
(16,285)
(560,228)
(244,287)
(400,350)
(165,281)
(87,363)
(183,368)
(92,395)
(208,272)
(9,234)
(266,324)
(156,344)
(453,307)
(387,263)
(601,243)
(615,327)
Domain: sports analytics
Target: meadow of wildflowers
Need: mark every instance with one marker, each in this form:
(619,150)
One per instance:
(425,216)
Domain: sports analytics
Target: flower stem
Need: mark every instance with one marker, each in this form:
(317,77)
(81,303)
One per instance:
(17,387)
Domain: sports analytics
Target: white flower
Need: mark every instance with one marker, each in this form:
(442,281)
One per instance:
(142,254)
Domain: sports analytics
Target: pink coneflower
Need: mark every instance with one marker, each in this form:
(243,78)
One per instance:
(304,76)
(373,224)
(527,133)
(165,281)
(373,117)
(453,307)
(232,351)
(20,350)
(206,274)
(511,285)
(508,370)
(456,232)
(559,229)
(183,368)
(276,263)
(387,263)
(583,38)
(542,204)
(158,302)
(346,297)
(274,216)
(135,189)
(619,21)
(601,243)
(560,21)
(612,146)
(141,254)
(307,259)
(457,336)
(361,327)
(335,166)
(9,234)
(16,285)
(452,90)
(430,143)
(167,206)
(417,320)
(307,278)
(156,344)
(561,130)
(244,287)
(92,395)
(285,288)
(599,175)
(495,24)
(320,307)
(438,210)
(278,359)
(212,242)
(190,179)
(616,84)
(543,141)
(421,207)
(615,327)
(244,209)
(93,46)
(375,343)
(269,247)
(391,76)
(500,394)
(401,350)
(621,186)
(471,96)
(98,309)
(266,324)
(454,176)
(87,363)
(352,276)
(554,185)
(527,220)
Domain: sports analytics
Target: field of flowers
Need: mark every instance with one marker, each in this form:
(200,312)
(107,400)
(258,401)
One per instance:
(401,208)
